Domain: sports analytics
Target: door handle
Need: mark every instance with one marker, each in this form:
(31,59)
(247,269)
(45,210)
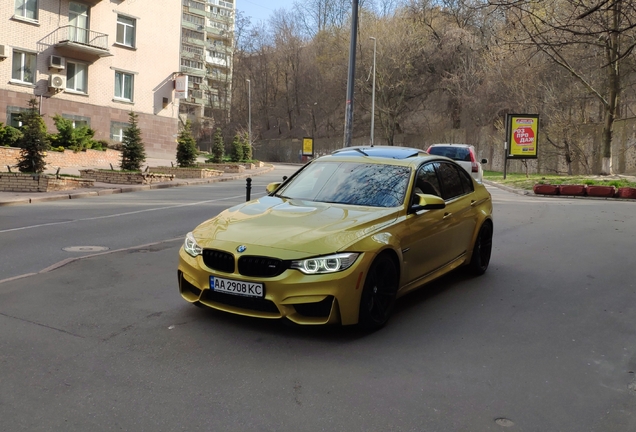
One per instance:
(473,203)
(447,215)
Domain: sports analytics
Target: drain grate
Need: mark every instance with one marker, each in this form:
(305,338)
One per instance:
(85,249)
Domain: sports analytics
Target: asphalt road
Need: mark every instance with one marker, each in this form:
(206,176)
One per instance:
(544,341)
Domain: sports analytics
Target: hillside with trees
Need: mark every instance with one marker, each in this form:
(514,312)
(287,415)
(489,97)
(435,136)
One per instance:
(442,65)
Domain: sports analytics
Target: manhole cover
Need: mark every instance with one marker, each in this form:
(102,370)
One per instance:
(85,249)
(504,422)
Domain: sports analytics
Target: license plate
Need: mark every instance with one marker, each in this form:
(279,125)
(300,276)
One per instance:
(229,286)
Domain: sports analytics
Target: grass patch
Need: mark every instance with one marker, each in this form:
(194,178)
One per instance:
(520,181)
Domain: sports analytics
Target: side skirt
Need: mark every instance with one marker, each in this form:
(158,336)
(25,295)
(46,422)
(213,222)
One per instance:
(457,262)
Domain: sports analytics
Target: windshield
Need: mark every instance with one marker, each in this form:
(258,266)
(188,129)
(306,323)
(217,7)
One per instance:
(350,183)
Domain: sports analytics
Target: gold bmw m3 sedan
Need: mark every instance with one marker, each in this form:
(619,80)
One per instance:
(341,239)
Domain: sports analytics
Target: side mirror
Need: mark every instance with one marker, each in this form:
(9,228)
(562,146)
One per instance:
(484,161)
(428,202)
(270,188)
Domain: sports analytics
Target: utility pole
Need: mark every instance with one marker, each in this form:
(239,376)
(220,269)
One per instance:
(373,93)
(350,81)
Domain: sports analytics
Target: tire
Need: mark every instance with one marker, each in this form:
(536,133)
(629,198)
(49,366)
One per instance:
(482,250)
(378,295)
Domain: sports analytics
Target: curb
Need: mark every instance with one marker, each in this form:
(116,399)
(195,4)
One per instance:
(525,192)
(136,188)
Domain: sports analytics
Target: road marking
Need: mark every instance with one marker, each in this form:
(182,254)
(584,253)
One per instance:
(67,261)
(119,214)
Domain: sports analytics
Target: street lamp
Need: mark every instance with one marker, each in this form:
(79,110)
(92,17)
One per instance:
(373,92)
(249,111)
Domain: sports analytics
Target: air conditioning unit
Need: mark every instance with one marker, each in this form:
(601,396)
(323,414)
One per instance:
(57,81)
(57,62)
(2,54)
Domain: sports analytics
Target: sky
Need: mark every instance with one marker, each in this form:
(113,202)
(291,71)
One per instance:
(260,10)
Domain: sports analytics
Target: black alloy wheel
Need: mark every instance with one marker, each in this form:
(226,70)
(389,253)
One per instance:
(482,250)
(378,294)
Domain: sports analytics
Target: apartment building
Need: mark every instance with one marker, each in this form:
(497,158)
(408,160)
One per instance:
(93,61)
(207,30)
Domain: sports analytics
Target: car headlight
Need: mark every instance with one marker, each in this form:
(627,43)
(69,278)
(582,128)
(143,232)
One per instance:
(190,245)
(325,264)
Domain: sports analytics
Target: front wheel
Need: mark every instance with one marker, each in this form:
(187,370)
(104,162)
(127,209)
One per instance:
(482,250)
(378,294)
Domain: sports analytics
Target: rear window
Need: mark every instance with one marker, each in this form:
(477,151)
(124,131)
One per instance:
(454,153)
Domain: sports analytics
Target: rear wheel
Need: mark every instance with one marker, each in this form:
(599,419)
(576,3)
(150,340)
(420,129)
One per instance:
(378,294)
(482,250)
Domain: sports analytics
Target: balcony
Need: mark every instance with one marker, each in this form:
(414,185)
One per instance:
(79,40)
(215,61)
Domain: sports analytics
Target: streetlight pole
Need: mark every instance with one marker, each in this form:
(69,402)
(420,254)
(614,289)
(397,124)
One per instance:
(373,93)
(249,111)
(350,81)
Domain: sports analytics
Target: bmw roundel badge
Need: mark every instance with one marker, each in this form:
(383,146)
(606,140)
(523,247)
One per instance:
(241,249)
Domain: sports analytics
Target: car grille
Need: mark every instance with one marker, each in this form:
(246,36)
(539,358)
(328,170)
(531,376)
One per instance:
(258,266)
(255,304)
(318,310)
(218,260)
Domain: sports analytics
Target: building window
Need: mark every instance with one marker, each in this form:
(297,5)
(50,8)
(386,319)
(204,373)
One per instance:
(124,86)
(78,121)
(195,79)
(14,116)
(117,131)
(192,64)
(191,34)
(194,19)
(27,9)
(23,67)
(77,77)
(126,31)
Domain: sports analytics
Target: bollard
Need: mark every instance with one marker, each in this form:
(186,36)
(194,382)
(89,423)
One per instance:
(248,189)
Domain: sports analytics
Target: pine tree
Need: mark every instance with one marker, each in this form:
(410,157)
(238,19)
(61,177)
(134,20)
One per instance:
(133,152)
(186,147)
(218,148)
(237,149)
(34,141)
(247,147)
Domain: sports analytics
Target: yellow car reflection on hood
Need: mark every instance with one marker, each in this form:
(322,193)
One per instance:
(341,239)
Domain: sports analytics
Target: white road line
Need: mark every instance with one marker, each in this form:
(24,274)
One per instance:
(118,214)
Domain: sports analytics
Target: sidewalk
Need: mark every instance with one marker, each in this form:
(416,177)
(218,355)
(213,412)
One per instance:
(16,198)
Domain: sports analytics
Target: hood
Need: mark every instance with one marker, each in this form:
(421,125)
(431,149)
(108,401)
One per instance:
(294,225)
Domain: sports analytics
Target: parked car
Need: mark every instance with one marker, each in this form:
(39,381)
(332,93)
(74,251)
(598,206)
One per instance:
(341,239)
(464,155)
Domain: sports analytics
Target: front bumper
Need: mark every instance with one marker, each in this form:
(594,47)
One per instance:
(303,299)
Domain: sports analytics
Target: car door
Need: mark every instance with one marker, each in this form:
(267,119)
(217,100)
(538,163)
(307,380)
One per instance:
(426,232)
(457,191)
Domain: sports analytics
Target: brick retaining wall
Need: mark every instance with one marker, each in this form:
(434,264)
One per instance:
(67,158)
(19,182)
(119,177)
(186,172)
(228,168)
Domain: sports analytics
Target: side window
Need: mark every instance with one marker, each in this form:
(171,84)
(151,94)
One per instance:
(467,181)
(426,181)
(451,181)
